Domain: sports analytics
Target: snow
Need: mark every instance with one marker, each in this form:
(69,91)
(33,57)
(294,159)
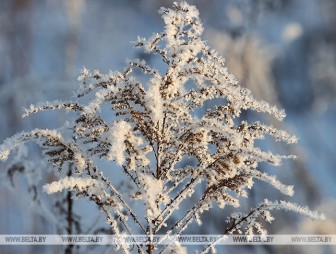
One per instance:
(70,183)
(175,249)
(117,137)
(153,195)
(154,98)
(294,207)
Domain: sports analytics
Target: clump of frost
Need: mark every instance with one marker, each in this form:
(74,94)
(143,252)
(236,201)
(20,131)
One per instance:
(154,99)
(153,194)
(175,249)
(117,137)
(70,182)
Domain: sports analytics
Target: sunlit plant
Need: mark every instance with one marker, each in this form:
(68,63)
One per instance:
(156,128)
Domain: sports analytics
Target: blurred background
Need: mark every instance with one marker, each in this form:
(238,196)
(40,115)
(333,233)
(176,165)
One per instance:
(283,50)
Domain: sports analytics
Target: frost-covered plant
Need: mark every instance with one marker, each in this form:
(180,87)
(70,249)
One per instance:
(155,131)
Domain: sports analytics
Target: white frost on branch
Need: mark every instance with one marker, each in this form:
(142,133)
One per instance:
(175,249)
(289,206)
(68,106)
(22,137)
(117,136)
(70,183)
(154,98)
(153,195)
